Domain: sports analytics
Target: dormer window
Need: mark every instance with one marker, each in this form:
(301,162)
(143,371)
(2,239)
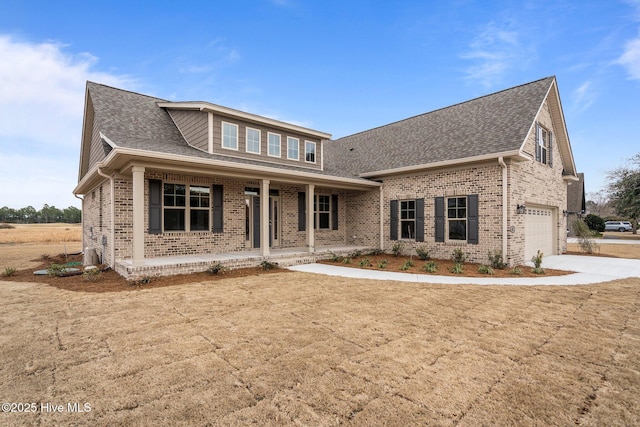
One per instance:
(309,152)
(229,136)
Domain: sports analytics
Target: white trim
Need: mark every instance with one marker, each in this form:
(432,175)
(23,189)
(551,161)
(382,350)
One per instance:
(516,155)
(291,138)
(210,131)
(222,125)
(315,152)
(279,155)
(246,140)
(447,219)
(206,106)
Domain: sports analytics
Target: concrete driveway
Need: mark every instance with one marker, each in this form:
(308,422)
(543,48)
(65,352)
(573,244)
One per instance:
(588,270)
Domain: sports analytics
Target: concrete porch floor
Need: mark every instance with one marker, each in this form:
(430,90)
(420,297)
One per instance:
(185,264)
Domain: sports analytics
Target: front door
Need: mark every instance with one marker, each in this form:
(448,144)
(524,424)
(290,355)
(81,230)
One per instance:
(252,218)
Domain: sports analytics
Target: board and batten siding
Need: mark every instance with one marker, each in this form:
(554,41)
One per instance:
(193,125)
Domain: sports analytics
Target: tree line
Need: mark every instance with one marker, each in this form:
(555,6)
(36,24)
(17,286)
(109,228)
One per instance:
(46,215)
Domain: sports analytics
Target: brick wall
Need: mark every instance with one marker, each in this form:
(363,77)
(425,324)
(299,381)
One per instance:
(96,221)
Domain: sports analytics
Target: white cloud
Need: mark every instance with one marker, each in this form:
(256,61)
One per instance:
(584,96)
(495,51)
(630,59)
(41,107)
(42,91)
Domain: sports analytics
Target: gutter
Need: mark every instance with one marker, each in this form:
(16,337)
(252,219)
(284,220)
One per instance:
(504,206)
(113,216)
(81,218)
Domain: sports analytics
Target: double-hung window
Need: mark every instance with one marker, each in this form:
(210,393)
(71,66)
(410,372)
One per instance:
(544,145)
(457,218)
(274,144)
(407,219)
(322,208)
(293,147)
(253,141)
(176,209)
(229,136)
(309,152)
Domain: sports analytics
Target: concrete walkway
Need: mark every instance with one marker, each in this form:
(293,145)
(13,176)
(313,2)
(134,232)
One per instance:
(588,270)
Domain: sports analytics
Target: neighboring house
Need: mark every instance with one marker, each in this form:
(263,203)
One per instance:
(576,204)
(167,185)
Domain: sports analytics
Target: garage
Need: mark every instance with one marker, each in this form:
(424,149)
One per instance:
(539,231)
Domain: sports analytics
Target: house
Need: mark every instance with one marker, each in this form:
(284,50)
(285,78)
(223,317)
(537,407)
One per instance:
(576,204)
(171,187)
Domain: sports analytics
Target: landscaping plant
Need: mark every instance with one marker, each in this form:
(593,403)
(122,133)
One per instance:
(396,249)
(495,260)
(407,265)
(382,263)
(430,267)
(459,257)
(537,262)
(458,268)
(216,268)
(9,271)
(485,269)
(364,262)
(423,253)
(584,235)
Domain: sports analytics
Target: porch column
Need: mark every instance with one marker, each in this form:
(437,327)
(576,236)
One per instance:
(264,217)
(311,237)
(138,215)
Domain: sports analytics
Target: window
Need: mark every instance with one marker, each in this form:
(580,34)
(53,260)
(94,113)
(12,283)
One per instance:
(293,145)
(309,152)
(544,147)
(457,218)
(253,141)
(322,208)
(229,136)
(407,219)
(274,144)
(199,206)
(176,209)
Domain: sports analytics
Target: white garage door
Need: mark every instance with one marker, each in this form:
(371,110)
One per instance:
(539,232)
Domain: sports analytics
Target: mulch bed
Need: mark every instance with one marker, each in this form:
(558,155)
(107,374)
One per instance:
(444,267)
(110,281)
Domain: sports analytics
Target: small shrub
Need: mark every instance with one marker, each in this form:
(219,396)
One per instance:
(355,254)
(537,259)
(538,270)
(459,257)
(407,265)
(376,252)
(584,235)
(430,267)
(495,260)
(346,260)
(516,271)
(144,280)
(55,270)
(382,263)
(216,268)
(9,271)
(458,268)
(594,222)
(485,269)
(396,249)
(92,274)
(364,262)
(423,253)
(266,265)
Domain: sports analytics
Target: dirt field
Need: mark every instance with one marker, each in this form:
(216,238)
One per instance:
(300,349)
(26,242)
(609,249)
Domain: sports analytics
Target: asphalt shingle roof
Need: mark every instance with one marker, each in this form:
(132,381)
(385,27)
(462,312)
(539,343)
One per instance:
(490,124)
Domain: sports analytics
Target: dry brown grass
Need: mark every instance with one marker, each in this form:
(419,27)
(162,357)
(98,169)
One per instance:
(302,349)
(41,233)
(610,249)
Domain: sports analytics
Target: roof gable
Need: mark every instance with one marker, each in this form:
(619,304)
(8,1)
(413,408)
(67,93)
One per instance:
(495,123)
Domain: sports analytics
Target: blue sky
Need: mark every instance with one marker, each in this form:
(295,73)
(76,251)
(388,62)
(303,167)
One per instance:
(336,66)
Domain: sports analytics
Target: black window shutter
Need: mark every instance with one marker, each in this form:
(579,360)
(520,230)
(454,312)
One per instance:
(538,151)
(472,219)
(256,222)
(302,211)
(550,153)
(393,224)
(334,211)
(439,203)
(218,224)
(155,206)
(419,220)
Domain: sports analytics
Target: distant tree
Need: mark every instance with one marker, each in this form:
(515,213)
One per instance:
(27,215)
(598,203)
(624,188)
(72,215)
(594,222)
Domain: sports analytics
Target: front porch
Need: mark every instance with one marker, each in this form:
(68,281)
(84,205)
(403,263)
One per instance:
(187,264)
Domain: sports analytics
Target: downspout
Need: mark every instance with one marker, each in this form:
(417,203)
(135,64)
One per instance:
(381,219)
(504,207)
(81,219)
(113,217)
